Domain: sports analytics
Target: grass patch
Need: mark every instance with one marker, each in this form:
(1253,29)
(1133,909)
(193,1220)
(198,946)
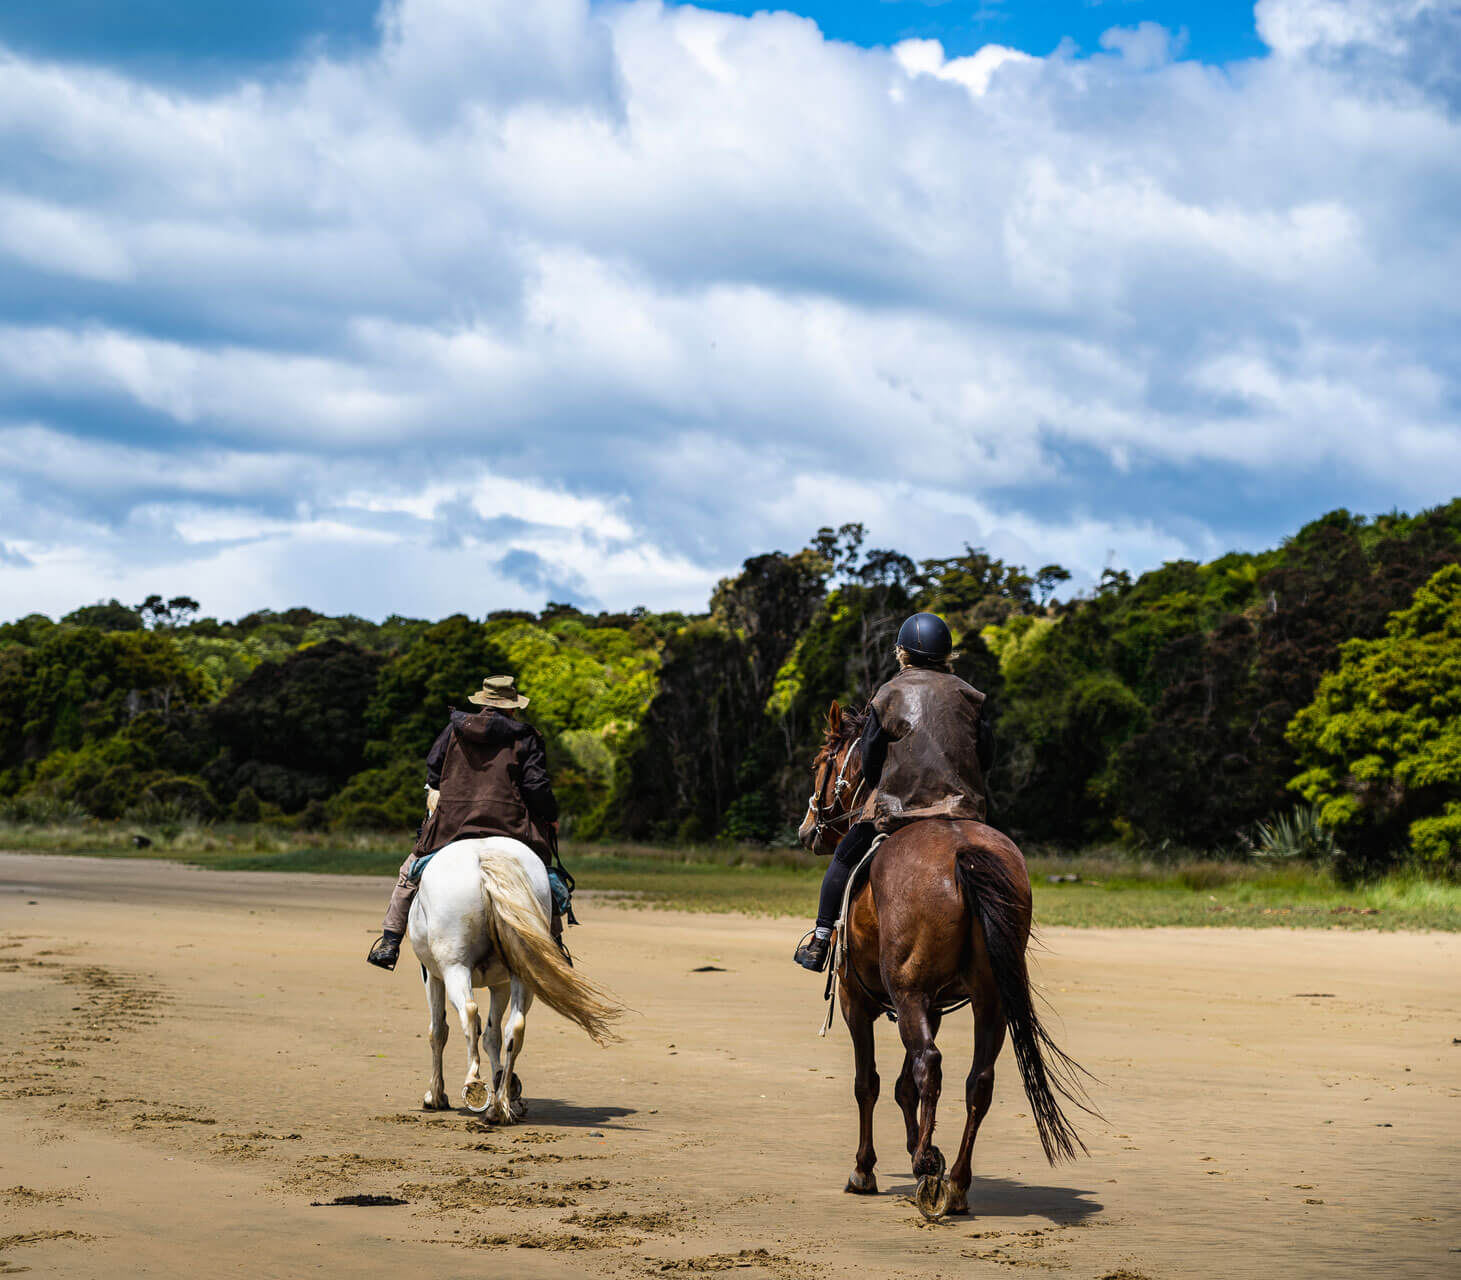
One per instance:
(1242,895)
(1113,891)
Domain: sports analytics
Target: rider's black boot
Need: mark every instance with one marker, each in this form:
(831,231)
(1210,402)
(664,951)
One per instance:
(812,954)
(555,927)
(386,951)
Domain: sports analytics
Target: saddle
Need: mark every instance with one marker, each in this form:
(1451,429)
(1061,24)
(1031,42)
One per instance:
(855,882)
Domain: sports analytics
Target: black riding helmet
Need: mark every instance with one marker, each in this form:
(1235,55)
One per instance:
(927,635)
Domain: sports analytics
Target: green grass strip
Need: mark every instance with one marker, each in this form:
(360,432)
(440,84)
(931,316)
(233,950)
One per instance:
(1113,890)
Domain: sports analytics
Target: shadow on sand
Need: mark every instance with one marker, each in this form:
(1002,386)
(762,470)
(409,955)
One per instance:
(1007,1198)
(568,1115)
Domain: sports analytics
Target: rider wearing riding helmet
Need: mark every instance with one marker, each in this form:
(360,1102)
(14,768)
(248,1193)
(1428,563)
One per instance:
(926,750)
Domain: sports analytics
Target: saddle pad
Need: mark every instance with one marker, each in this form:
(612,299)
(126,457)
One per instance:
(419,865)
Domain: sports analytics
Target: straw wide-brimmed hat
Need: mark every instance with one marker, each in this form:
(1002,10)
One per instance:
(499,692)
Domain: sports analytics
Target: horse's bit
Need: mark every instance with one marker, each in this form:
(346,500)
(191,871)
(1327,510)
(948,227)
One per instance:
(814,801)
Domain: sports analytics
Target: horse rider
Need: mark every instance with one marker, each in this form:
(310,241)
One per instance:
(926,750)
(486,775)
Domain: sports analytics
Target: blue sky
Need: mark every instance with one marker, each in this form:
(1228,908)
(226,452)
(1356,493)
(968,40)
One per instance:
(467,304)
(199,38)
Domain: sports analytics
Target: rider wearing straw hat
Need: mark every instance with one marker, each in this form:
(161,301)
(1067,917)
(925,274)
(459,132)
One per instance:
(486,775)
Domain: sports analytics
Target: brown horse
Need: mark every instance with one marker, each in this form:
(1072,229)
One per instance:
(943,918)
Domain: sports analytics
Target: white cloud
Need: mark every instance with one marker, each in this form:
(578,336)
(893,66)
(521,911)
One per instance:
(65,241)
(1296,27)
(637,291)
(926,57)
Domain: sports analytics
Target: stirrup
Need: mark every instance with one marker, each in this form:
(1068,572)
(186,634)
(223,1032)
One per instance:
(813,952)
(385,953)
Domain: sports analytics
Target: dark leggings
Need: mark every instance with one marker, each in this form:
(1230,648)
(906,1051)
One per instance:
(850,851)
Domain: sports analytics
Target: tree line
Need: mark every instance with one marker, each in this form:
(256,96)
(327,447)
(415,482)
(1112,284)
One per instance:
(1174,711)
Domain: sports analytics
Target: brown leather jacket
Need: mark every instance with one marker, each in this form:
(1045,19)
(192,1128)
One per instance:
(931,770)
(493,782)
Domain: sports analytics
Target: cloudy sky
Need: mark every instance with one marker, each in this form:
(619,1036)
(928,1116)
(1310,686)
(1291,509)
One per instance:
(448,305)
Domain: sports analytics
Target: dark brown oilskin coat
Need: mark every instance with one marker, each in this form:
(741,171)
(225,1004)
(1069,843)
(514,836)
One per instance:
(481,784)
(932,767)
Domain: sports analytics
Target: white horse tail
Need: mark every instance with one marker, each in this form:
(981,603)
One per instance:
(521,937)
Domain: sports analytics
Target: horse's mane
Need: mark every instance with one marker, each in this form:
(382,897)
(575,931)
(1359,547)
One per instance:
(849,729)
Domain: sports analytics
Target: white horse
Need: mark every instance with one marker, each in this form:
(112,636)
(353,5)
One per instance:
(480,919)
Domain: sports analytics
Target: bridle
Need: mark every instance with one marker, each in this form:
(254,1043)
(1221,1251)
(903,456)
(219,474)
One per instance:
(814,802)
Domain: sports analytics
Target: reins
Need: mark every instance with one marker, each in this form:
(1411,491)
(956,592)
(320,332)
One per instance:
(822,823)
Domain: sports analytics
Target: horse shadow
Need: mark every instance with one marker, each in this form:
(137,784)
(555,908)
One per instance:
(570,1115)
(1007,1198)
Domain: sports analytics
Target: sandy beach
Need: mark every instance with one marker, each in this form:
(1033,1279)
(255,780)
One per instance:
(195,1065)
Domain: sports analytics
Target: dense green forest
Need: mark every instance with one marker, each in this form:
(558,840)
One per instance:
(1308,693)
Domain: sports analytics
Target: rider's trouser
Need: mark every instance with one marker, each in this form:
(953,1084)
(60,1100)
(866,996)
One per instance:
(400,908)
(850,851)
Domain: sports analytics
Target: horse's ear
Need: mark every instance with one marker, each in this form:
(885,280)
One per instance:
(834,717)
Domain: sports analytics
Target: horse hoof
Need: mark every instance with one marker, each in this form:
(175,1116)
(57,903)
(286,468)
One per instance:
(434,1102)
(475,1095)
(930,1164)
(861,1185)
(932,1197)
(958,1203)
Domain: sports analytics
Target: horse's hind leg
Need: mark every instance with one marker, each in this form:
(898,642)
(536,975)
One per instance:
(860,1018)
(507,1104)
(978,1093)
(435,1099)
(918,1024)
(908,1091)
(458,979)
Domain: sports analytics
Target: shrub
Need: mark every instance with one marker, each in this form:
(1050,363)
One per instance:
(1297,834)
(245,806)
(1437,840)
(185,797)
(364,816)
(313,817)
(39,808)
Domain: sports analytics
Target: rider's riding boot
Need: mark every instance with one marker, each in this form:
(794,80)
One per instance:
(812,954)
(386,950)
(555,927)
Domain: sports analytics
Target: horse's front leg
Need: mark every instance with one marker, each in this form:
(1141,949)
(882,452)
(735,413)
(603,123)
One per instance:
(435,1099)
(905,1093)
(860,1017)
(507,1104)
(492,1038)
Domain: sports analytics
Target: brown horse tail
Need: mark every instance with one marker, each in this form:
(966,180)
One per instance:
(1045,1069)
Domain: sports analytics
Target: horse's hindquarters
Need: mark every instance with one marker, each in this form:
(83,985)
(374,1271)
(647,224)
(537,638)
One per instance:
(923,922)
